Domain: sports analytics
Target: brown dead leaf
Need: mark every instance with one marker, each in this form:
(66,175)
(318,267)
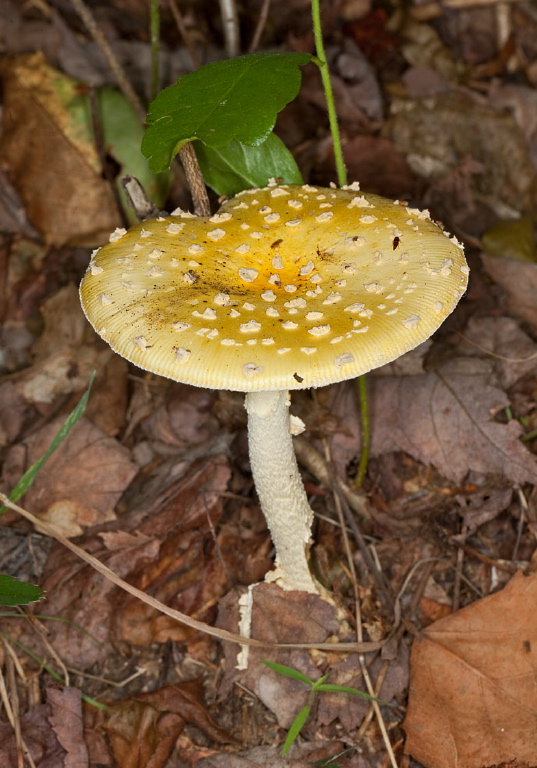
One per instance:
(53,165)
(502,337)
(187,700)
(277,617)
(445,419)
(141,550)
(59,746)
(473,700)
(81,482)
(519,280)
(144,729)
(66,722)
(437,134)
(140,736)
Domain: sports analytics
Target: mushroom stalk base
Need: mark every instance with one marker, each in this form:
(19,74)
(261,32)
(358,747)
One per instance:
(279,487)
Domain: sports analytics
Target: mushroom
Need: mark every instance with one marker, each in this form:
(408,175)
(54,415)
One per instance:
(286,287)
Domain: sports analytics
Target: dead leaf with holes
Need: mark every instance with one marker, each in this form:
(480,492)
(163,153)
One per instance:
(473,700)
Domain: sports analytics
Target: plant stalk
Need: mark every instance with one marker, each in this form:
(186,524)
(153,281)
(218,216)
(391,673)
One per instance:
(342,180)
(328,92)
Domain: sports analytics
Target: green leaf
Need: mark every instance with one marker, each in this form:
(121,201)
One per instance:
(225,100)
(29,476)
(281,669)
(14,592)
(346,689)
(296,727)
(235,166)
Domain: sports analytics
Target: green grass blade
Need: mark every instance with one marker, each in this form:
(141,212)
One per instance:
(296,727)
(281,669)
(28,478)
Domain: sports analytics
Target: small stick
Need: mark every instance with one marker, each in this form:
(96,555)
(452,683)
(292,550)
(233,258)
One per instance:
(119,73)
(195,180)
(261,23)
(230,22)
(181,26)
(138,199)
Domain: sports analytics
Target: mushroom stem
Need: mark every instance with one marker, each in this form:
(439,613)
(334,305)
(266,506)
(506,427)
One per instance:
(279,487)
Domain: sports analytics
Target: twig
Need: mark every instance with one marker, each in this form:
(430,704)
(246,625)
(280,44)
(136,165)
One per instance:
(181,26)
(230,23)
(195,180)
(456,602)
(119,73)
(370,563)
(312,460)
(182,618)
(138,199)
(260,26)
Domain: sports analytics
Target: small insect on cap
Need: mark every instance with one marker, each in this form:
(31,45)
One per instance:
(286,287)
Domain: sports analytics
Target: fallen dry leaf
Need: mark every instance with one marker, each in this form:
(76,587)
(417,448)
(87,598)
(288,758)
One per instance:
(277,617)
(81,482)
(140,737)
(445,418)
(472,699)
(52,162)
(52,732)
(66,722)
(519,280)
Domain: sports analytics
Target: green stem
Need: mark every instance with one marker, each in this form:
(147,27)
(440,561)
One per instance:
(155,46)
(366,433)
(329,95)
(341,169)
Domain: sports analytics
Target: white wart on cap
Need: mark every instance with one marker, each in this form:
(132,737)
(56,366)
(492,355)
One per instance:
(286,287)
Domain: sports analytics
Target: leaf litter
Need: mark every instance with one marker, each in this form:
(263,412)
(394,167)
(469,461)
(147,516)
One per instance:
(155,480)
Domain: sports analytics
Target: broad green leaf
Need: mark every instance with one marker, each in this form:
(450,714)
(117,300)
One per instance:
(29,476)
(224,100)
(296,727)
(14,592)
(235,166)
(346,689)
(281,669)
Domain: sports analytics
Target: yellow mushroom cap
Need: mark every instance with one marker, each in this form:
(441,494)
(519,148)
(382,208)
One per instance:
(286,287)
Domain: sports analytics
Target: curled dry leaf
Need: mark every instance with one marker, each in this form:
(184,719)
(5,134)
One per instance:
(52,160)
(473,700)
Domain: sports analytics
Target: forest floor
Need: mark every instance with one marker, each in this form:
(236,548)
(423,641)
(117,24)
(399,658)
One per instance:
(434,563)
